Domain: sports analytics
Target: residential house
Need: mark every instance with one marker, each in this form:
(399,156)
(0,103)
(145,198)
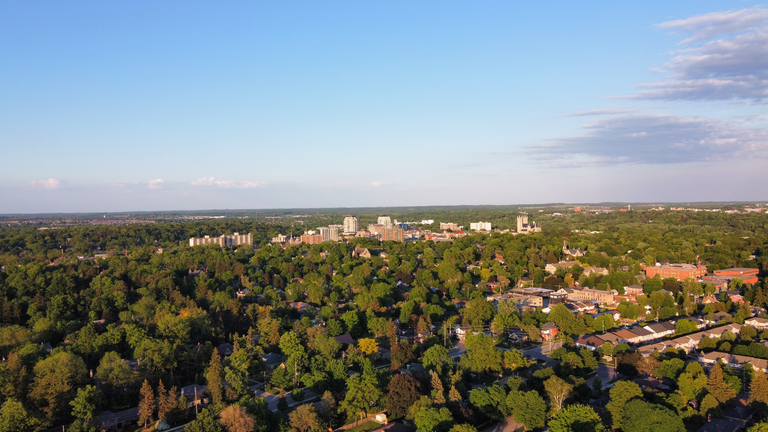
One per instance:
(591,271)
(548,331)
(361,252)
(109,421)
(732,360)
(633,290)
(758,323)
(552,268)
(719,425)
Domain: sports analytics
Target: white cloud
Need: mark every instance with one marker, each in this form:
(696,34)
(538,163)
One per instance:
(599,111)
(713,24)
(51,183)
(155,184)
(376,184)
(734,67)
(211,181)
(654,139)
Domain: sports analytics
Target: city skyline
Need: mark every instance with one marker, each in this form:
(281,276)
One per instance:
(146,107)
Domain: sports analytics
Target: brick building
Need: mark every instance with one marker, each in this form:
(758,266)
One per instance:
(677,271)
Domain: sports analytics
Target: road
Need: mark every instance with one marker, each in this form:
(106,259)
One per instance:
(541,352)
(606,374)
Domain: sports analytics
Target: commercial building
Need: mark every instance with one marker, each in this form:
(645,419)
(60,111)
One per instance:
(480,226)
(599,296)
(677,271)
(235,239)
(523,227)
(351,225)
(449,226)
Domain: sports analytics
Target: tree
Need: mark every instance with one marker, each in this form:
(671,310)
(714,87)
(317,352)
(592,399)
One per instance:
(362,392)
(236,372)
(146,404)
(529,408)
(603,323)
(434,420)
(576,418)
(717,386)
(401,355)
(15,418)
(670,369)
(758,391)
(481,354)
(166,401)
(558,390)
(215,378)
(206,422)
(236,418)
(328,408)
(305,418)
(464,427)
(692,382)
(620,394)
(87,403)
(435,357)
(514,359)
(642,416)
(55,377)
(709,405)
(491,401)
(402,392)
(367,346)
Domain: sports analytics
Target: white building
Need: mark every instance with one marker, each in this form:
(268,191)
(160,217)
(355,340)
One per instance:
(351,225)
(480,226)
(329,233)
(385,220)
(235,239)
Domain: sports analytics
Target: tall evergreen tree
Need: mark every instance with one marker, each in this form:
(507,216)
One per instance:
(146,404)
(215,379)
(721,390)
(758,392)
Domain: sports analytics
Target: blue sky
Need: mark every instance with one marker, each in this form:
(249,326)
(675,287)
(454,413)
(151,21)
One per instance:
(108,106)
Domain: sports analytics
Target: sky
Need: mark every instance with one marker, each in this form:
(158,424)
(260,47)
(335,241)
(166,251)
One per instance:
(151,106)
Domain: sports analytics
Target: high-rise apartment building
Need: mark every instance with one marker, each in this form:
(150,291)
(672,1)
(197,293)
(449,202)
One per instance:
(385,220)
(235,239)
(393,233)
(329,233)
(351,225)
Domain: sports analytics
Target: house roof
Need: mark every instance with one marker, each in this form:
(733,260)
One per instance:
(346,338)
(719,425)
(625,334)
(549,326)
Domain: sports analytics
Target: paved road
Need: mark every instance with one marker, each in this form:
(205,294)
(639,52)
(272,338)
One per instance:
(458,350)
(272,399)
(541,352)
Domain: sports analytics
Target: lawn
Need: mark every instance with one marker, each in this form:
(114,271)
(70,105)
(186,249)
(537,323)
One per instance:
(365,427)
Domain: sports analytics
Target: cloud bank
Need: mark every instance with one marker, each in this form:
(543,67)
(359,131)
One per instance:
(211,181)
(51,183)
(732,67)
(654,139)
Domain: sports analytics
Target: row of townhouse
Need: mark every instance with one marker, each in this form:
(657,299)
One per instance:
(636,335)
(690,341)
(733,360)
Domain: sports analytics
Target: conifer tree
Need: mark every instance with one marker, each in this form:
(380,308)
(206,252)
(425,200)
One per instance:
(146,404)
(215,378)
(717,386)
(758,391)
(454,395)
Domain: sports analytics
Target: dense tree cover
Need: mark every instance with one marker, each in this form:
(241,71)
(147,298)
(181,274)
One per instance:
(131,328)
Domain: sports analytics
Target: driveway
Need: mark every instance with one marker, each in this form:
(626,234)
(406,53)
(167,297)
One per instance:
(606,374)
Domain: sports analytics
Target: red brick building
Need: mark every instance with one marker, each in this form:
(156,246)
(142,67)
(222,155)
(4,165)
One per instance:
(747,274)
(677,271)
(312,238)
